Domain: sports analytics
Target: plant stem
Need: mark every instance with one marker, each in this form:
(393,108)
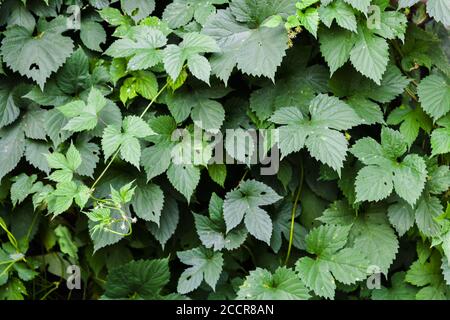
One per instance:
(294,210)
(243,177)
(56,286)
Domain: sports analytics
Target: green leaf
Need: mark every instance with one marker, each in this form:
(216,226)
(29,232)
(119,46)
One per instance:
(205,265)
(438,180)
(339,11)
(84,116)
(422,274)
(399,290)
(370,55)
(434,94)
(310,20)
(89,156)
(189,51)
(72,78)
(445,269)
(284,284)
(361,5)
(406,3)
(126,139)
(35,153)
(212,230)
(180,12)
(156,159)
(410,120)
(369,112)
(427,210)
(437,9)
(148,202)
(92,34)
(33,123)
(392,25)
(100,232)
(167,222)
(218,173)
(370,233)
(111,140)
(22,186)
(376,181)
(113,16)
(184,178)
(440,141)
(13,290)
(206,113)
(335,46)
(138,9)
(9,103)
(66,165)
(316,276)
(410,178)
(246,201)
(65,241)
(257,52)
(142,46)
(273,21)
(50,50)
(61,199)
(347,265)
(12,147)
(144,278)
(303,4)
(402,217)
(328,114)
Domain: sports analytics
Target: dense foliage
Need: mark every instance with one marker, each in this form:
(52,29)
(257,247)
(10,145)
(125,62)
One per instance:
(93,97)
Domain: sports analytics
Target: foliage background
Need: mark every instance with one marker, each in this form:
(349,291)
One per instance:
(360,95)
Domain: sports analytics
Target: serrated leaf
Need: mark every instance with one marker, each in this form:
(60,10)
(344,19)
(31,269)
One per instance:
(246,201)
(84,116)
(347,265)
(21,187)
(50,50)
(341,12)
(437,9)
(284,284)
(168,222)
(188,51)
(383,173)
(184,178)
(310,20)
(138,9)
(410,178)
(257,52)
(148,202)
(205,265)
(402,217)
(156,159)
(370,54)
(335,46)
(12,147)
(324,143)
(399,290)
(361,5)
(144,278)
(434,94)
(142,47)
(9,107)
(92,34)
